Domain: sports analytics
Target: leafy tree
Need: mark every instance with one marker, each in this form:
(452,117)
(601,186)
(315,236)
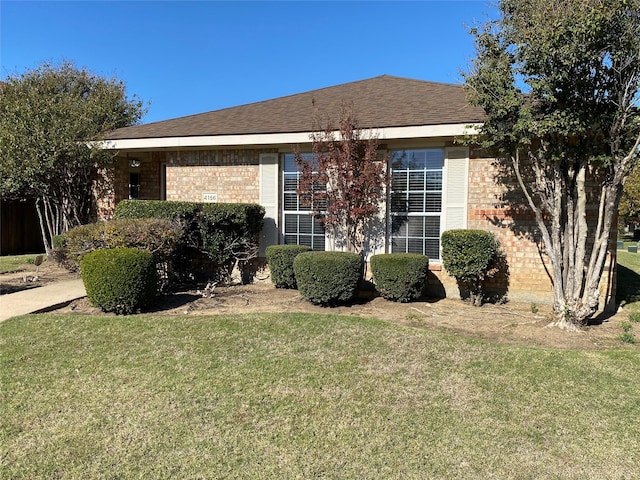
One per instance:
(559,82)
(344,181)
(50,118)
(629,210)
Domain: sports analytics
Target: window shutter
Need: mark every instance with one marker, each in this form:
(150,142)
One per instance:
(456,188)
(269,200)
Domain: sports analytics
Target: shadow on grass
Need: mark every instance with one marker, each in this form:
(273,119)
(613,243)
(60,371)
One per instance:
(171,301)
(6,289)
(628,286)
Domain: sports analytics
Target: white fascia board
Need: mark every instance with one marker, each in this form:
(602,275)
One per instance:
(389,133)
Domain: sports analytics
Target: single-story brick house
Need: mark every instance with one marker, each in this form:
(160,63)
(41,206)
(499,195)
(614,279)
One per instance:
(245,154)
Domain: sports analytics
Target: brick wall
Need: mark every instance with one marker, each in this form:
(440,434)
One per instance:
(233,175)
(113,184)
(527,278)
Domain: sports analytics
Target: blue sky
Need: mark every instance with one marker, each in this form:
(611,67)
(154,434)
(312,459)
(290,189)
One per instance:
(195,56)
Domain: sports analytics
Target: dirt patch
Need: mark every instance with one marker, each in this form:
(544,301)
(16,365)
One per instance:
(29,277)
(512,323)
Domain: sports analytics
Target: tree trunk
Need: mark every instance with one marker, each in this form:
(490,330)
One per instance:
(43,230)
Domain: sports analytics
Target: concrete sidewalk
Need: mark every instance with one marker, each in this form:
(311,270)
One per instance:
(40,298)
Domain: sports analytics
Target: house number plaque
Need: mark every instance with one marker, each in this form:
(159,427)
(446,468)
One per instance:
(209,197)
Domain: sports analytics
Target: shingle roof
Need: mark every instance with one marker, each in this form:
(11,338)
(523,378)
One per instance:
(384,101)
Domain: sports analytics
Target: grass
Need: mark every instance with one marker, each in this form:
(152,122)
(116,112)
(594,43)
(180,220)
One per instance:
(12,263)
(628,286)
(305,396)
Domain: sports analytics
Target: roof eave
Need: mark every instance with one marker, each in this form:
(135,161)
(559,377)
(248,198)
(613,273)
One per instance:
(385,133)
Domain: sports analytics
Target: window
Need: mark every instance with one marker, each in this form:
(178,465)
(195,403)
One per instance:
(134,185)
(299,227)
(416,201)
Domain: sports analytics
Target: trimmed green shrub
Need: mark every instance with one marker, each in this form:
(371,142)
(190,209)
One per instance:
(226,232)
(120,280)
(280,259)
(230,231)
(470,256)
(328,278)
(156,209)
(399,277)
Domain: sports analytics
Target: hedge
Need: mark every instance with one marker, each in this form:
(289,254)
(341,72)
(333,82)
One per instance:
(226,232)
(120,280)
(328,278)
(158,236)
(470,256)
(280,259)
(400,277)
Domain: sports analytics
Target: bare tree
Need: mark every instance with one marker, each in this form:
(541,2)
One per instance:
(344,182)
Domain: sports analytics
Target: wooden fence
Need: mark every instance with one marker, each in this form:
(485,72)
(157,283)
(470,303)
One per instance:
(19,228)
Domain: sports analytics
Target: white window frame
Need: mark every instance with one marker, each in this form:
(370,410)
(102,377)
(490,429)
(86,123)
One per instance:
(424,214)
(317,237)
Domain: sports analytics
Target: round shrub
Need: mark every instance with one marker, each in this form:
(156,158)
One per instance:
(280,259)
(328,278)
(400,277)
(120,280)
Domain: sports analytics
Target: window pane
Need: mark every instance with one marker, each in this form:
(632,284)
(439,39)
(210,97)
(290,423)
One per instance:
(399,180)
(416,202)
(417,159)
(305,224)
(415,227)
(434,202)
(305,240)
(434,158)
(399,159)
(398,225)
(415,245)
(399,245)
(290,182)
(291,239)
(416,180)
(434,180)
(318,243)
(289,164)
(398,202)
(290,201)
(432,248)
(290,224)
(432,227)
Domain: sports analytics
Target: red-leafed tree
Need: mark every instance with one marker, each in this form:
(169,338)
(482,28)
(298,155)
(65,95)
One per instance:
(344,182)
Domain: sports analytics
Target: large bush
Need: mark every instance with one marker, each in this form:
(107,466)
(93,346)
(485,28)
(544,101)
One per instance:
(328,278)
(400,277)
(280,259)
(225,232)
(120,280)
(470,256)
(158,236)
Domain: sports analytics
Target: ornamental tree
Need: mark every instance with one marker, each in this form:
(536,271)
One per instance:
(344,182)
(559,81)
(50,120)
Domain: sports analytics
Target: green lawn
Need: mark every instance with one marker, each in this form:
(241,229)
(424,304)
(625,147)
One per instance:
(628,286)
(305,396)
(13,263)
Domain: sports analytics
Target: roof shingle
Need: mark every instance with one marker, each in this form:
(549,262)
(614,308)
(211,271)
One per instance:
(384,101)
